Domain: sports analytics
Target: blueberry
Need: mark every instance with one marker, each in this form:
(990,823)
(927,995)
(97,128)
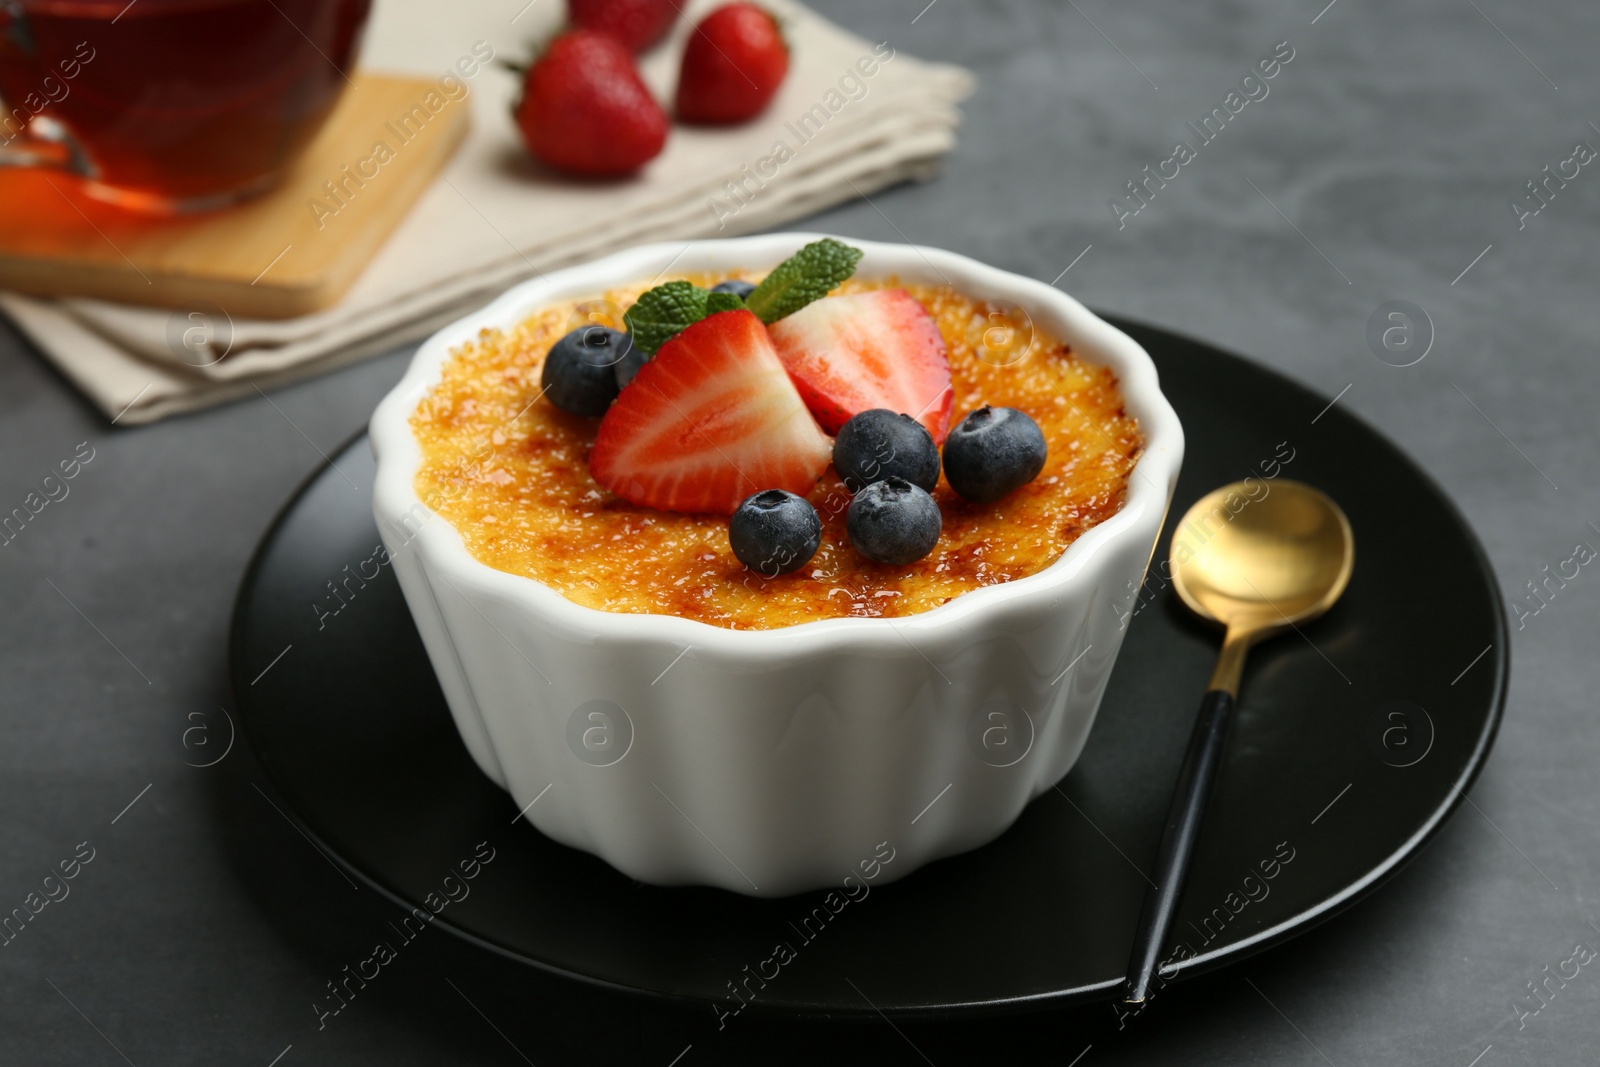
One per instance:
(578,373)
(879,444)
(991,452)
(735,286)
(893,522)
(774,531)
(629,365)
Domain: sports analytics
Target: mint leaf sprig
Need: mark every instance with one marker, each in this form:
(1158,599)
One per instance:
(810,274)
(660,314)
(663,312)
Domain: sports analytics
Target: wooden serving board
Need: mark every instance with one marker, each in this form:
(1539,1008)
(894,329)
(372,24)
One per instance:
(276,256)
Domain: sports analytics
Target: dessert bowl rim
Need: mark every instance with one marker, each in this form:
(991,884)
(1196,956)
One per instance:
(1149,486)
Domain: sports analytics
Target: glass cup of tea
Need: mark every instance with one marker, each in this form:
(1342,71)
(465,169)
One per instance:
(171,105)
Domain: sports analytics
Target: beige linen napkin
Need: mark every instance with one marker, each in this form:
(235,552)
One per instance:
(851,118)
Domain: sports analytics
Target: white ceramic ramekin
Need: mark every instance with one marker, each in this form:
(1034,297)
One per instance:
(770,762)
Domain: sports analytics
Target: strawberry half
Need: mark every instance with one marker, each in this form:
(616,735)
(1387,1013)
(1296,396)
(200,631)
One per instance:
(710,420)
(849,354)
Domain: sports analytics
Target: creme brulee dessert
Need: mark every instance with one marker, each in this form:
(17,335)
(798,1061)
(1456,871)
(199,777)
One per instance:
(625,508)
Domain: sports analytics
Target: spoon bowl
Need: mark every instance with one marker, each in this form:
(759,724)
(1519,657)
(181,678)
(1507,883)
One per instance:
(1262,562)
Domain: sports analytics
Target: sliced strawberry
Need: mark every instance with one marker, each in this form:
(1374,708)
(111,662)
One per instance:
(849,354)
(710,420)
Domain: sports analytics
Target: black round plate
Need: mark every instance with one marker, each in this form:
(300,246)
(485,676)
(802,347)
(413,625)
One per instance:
(1354,741)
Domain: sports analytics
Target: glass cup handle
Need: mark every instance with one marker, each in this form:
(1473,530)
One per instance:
(45,143)
(37,140)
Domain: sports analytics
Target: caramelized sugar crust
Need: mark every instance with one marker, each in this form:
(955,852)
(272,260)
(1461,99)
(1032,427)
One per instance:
(509,471)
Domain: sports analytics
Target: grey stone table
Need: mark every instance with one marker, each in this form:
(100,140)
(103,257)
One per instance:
(1382,164)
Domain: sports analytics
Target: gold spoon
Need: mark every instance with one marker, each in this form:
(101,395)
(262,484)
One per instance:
(1258,563)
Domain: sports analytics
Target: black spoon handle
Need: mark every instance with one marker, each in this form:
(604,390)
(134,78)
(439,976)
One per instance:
(1177,843)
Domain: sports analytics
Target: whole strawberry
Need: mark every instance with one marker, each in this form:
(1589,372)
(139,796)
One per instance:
(636,24)
(734,62)
(585,110)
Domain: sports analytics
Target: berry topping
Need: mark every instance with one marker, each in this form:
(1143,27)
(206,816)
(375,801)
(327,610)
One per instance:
(733,64)
(774,531)
(879,444)
(993,451)
(661,313)
(629,365)
(893,522)
(634,24)
(738,288)
(880,349)
(585,110)
(581,371)
(711,419)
